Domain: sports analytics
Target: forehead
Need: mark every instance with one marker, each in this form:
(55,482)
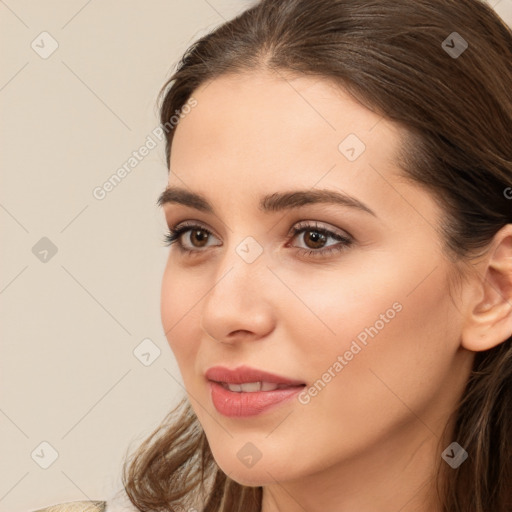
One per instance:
(256,133)
(263,122)
(272,113)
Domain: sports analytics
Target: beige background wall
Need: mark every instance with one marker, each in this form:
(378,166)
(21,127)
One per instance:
(80,276)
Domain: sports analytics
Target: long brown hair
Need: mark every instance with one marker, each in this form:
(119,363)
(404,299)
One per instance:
(394,57)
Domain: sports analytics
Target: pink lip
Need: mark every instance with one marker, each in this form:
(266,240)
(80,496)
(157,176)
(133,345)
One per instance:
(239,404)
(244,374)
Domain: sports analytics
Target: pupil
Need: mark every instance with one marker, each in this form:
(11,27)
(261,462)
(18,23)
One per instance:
(201,238)
(318,238)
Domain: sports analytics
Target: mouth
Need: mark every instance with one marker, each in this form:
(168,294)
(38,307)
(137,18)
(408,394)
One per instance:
(246,391)
(252,387)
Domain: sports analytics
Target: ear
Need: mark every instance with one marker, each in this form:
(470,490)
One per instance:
(489,321)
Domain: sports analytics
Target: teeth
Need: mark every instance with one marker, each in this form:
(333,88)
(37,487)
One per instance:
(251,387)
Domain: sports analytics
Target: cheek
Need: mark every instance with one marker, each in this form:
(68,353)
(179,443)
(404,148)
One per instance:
(180,314)
(397,347)
(330,308)
(395,320)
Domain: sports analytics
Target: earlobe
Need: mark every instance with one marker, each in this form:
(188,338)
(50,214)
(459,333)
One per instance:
(489,321)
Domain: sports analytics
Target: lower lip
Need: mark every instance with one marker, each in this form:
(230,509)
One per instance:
(239,404)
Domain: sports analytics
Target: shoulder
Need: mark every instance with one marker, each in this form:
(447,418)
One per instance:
(76,506)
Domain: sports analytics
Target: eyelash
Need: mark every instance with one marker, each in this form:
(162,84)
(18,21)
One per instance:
(175,233)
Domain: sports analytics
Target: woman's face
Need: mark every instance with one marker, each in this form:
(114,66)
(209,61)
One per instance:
(359,312)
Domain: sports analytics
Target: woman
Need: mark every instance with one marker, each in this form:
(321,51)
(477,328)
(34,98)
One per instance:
(338,293)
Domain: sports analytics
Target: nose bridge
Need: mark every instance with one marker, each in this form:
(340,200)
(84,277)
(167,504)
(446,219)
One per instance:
(237,300)
(241,269)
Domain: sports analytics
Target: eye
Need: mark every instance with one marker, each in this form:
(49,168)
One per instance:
(198,235)
(316,237)
(315,241)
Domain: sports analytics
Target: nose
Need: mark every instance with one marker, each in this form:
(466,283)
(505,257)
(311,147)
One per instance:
(239,304)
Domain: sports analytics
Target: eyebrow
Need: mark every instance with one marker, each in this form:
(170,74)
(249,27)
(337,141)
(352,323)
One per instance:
(275,202)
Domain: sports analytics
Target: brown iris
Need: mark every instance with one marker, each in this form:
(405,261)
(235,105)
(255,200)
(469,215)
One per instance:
(317,238)
(201,235)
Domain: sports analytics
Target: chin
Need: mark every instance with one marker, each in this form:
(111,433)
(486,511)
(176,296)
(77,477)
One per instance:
(251,477)
(263,472)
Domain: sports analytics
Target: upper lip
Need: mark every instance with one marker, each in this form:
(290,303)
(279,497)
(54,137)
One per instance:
(243,374)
